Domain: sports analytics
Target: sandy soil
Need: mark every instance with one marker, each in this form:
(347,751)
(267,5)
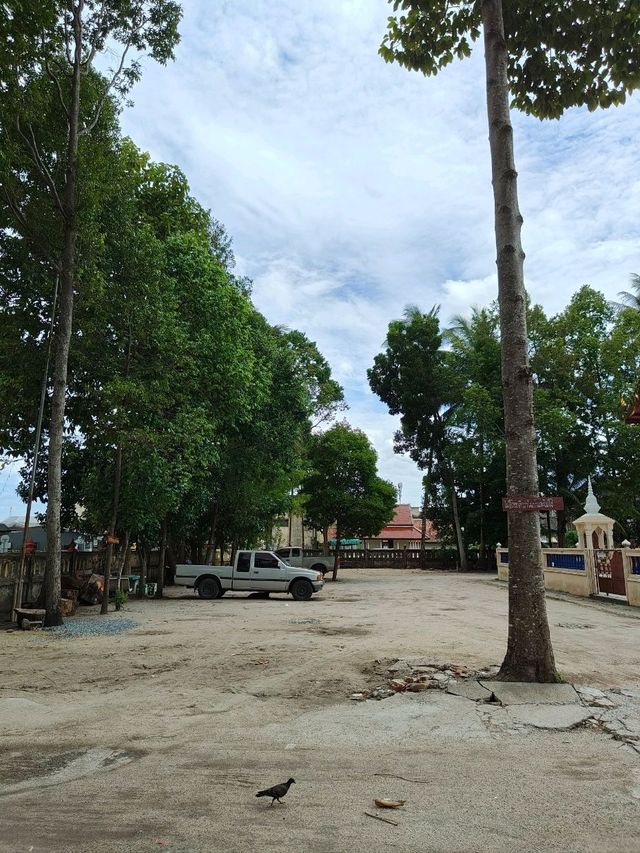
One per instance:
(160,737)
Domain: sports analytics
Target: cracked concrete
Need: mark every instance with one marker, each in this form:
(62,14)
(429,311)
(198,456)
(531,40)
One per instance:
(515,693)
(513,708)
(557,718)
(471,689)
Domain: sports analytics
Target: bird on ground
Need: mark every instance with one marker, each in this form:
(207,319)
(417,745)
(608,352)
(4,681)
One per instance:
(277,791)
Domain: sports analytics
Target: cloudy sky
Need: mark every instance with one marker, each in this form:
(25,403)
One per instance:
(353,188)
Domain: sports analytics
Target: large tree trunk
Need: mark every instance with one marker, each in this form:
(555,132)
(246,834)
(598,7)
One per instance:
(52,578)
(529,654)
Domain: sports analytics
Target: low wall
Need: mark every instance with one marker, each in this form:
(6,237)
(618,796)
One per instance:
(631,557)
(502,560)
(563,580)
(633,591)
(565,569)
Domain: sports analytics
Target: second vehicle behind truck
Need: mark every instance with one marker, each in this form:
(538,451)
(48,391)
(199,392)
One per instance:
(296,557)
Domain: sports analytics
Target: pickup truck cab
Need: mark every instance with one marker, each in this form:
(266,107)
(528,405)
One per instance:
(297,557)
(252,571)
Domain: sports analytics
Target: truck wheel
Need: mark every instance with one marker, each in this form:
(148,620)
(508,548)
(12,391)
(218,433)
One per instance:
(210,588)
(301,590)
(319,568)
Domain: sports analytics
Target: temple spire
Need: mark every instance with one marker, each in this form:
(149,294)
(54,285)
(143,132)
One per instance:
(591,507)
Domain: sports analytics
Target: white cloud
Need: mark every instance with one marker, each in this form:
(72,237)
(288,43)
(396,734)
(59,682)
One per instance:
(353,188)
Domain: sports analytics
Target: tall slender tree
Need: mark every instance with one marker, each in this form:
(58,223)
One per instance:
(544,57)
(58,41)
(419,381)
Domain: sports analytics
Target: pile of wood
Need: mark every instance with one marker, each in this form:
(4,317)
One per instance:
(77,589)
(85,589)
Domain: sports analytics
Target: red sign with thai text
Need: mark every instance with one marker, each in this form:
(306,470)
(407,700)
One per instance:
(532,503)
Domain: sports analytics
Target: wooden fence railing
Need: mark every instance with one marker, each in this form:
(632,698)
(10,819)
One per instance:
(403,558)
(411,558)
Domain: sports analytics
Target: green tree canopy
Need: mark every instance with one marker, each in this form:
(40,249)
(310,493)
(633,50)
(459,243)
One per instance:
(343,487)
(562,54)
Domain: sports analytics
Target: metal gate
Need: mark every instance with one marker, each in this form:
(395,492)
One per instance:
(609,570)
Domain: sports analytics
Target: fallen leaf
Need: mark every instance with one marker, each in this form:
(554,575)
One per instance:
(389,804)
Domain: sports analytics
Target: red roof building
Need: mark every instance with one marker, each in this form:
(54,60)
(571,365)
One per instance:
(403,531)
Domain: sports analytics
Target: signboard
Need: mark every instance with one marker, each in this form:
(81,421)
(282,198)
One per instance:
(533,503)
(111,539)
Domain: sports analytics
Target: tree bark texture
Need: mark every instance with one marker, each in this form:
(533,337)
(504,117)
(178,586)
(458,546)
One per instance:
(529,654)
(62,341)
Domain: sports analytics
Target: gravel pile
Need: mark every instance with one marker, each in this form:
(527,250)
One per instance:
(93,626)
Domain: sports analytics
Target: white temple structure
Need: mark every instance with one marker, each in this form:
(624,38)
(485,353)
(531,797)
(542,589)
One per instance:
(595,530)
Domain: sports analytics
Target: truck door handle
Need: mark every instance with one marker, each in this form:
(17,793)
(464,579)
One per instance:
(256,572)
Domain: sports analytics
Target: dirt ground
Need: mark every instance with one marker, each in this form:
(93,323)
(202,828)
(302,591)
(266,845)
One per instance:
(159,737)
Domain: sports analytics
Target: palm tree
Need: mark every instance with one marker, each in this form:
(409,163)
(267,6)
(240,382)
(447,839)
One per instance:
(631,299)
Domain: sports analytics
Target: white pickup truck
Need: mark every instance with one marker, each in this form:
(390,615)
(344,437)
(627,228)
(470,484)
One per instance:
(296,557)
(252,571)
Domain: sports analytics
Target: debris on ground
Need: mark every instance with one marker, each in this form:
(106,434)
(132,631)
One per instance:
(390,804)
(404,778)
(545,706)
(383,819)
(413,675)
(381,693)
